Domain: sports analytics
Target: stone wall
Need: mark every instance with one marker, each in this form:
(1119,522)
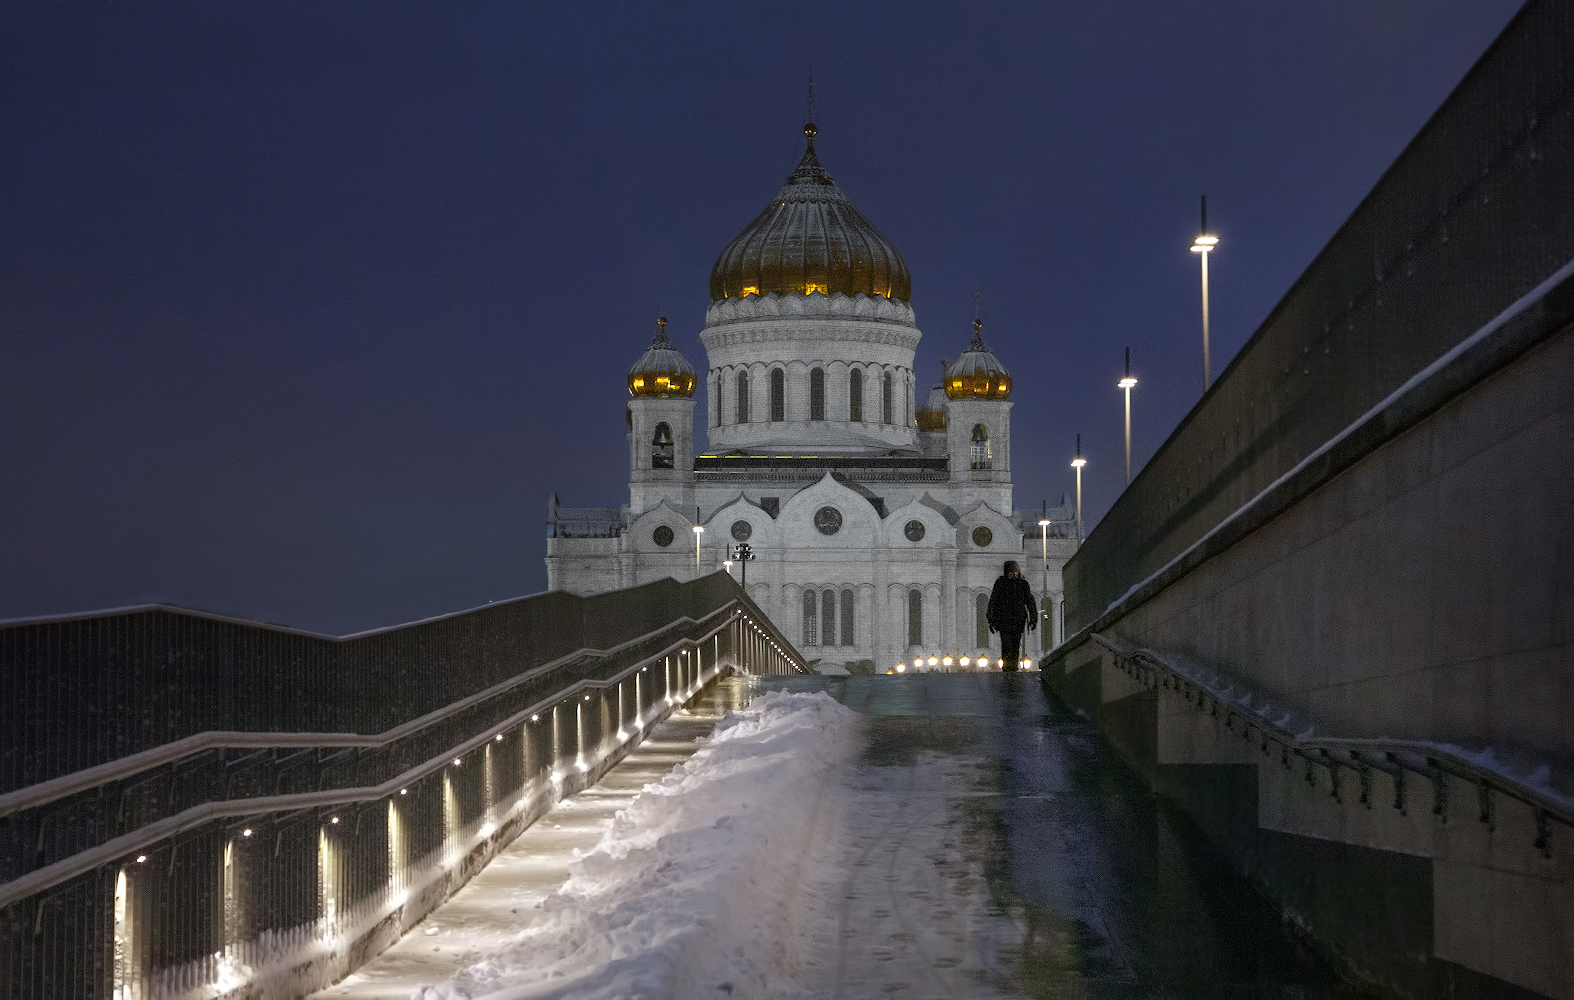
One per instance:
(1372,608)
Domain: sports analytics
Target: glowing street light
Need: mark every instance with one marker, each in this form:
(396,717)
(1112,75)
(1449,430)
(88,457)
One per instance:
(1204,245)
(698,531)
(1126,383)
(1077,463)
(1043,594)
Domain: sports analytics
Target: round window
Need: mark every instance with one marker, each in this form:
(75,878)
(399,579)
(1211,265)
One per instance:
(982,536)
(828,520)
(741,530)
(662,536)
(914,530)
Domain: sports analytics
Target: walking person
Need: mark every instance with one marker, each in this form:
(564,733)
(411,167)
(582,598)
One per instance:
(1011,609)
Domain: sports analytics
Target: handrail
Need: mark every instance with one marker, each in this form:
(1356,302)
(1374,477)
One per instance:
(67,868)
(1395,756)
(54,789)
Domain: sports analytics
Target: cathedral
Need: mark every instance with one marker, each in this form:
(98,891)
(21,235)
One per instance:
(876,523)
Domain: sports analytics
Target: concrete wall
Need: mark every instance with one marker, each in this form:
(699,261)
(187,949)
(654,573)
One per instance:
(1372,607)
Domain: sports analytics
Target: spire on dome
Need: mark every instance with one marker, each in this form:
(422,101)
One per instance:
(660,341)
(808,125)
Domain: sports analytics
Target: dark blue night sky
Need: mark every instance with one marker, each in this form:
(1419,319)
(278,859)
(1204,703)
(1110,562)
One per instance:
(306,308)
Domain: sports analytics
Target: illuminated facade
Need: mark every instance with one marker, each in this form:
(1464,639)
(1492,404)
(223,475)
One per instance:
(878,526)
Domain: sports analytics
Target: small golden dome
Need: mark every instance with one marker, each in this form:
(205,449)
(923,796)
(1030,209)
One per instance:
(662,371)
(977,374)
(810,239)
(931,416)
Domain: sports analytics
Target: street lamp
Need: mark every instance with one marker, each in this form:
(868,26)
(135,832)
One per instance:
(1043,594)
(698,531)
(1126,383)
(744,555)
(1077,463)
(1204,245)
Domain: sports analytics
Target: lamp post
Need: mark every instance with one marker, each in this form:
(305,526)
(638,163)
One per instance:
(1126,383)
(698,531)
(1203,245)
(1077,463)
(744,555)
(1043,594)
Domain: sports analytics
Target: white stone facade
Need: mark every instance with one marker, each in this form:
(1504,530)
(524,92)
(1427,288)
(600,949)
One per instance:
(840,500)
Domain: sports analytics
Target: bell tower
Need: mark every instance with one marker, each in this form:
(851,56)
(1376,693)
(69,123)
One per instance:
(978,421)
(661,425)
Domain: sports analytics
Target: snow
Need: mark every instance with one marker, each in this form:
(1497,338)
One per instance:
(689,890)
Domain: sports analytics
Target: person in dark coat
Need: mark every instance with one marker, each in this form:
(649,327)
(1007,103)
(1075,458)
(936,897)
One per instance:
(1011,609)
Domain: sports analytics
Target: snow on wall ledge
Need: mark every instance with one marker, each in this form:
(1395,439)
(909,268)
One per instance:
(687,891)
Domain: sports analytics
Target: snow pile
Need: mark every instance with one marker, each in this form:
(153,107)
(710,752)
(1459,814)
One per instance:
(689,893)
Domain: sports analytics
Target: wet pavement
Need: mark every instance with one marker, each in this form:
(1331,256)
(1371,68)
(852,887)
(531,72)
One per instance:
(995,846)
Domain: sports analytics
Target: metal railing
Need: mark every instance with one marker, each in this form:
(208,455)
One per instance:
(1434,763)
(228,861)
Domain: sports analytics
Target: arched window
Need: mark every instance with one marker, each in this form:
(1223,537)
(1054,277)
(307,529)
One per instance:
(915,617)
(811,606)
(661,448)
(828,617)
(847,618)
(817,394)
(855,396)
(719,412)
(983,458)
(743,397)
(981,603)
(885,400)
(778,394)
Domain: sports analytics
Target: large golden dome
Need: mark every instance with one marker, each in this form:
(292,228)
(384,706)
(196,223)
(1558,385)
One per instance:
(661,370)
(810,238)
(977,374)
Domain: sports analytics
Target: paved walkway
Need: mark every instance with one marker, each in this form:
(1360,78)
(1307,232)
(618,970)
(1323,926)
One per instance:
(992,845)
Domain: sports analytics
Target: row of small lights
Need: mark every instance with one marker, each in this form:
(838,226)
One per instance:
(945,661)
(900,668)
(458,762)
(142,859)
(764,635)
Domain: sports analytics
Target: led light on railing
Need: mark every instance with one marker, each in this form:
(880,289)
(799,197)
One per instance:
(965,661)
(456,761)
(245,833)
(333,819)
(403,791)
(901,668)
(945,661)
(1000,663)
(933,660)
(141,858)
(535,718)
